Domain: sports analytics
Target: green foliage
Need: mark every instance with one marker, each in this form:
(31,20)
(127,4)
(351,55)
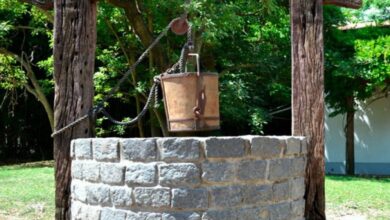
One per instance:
(23,30)
(247,42)
(357,62)
(11,74)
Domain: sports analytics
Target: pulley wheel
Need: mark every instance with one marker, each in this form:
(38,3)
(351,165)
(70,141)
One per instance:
(179,26)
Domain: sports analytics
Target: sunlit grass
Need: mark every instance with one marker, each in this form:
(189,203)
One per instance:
(26,192)
(368,196)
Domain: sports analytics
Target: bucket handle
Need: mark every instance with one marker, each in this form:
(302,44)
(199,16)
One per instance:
(196,55)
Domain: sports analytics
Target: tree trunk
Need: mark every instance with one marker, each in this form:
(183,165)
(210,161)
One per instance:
(308,97)
(35,89)
(345,3)
(74,60)
(349,132)
(41,97)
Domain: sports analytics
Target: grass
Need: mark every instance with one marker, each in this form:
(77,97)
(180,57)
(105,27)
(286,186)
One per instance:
(369,197)
(27,192)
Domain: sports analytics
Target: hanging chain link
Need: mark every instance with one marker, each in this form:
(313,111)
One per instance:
(153,90)
(99,108)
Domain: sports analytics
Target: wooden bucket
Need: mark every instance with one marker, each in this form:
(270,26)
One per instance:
(191,101)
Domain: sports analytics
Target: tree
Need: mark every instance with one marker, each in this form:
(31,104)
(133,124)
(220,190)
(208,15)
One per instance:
(255,70)
(26,85)
(357,58)
(24,76)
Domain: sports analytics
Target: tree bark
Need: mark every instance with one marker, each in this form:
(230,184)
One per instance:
(308,97)
(349,136)
(74,60)
(42,4)
(345,3)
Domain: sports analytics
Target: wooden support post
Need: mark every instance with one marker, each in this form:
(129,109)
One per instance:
(308,93)
(308,96)
(74,60)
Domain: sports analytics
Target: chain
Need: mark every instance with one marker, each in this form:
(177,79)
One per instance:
(188,47)
(156,104)
(100,106)
(153,91)
(140,115)
(140,59)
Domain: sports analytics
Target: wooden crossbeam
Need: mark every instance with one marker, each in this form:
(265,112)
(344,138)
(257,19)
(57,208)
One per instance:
(345,3)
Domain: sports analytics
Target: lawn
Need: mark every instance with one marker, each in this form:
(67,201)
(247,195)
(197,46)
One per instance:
(27,192)
(368,198)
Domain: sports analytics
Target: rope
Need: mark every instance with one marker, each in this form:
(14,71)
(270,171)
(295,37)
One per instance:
(70,125)
(153,91)
(99,106)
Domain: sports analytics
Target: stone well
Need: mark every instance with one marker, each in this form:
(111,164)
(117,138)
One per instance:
(216,178)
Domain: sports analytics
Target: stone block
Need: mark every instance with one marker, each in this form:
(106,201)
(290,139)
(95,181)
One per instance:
(298,166)
(79,190)
(143,216)
(225,147)
(181,216)
(227,196)
(139,149)
(279,169)
(82,148)
(218,171)
(91,213)
(121,196)
(189,198)
(258,194)
(140,174)
(98,194)
(112,214)
(77,169)
(280,191)
(280,211)
(303,145)
(91,171)
(152,197)
(220,214)
(252,169)
(112,173)
(267,147)
(80,211)
(293,146)
(179,174)
(72,153)
(76,210)
(298,208)
(106,149)
(252,213)
(297,188)
(179,149)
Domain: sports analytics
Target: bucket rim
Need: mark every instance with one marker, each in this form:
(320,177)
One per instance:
(176,75)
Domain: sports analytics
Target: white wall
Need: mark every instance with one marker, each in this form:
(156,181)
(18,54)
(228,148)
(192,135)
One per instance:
(372,139)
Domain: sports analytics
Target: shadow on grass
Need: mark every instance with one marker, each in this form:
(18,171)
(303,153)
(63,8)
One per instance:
(345,178)
(39,164)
